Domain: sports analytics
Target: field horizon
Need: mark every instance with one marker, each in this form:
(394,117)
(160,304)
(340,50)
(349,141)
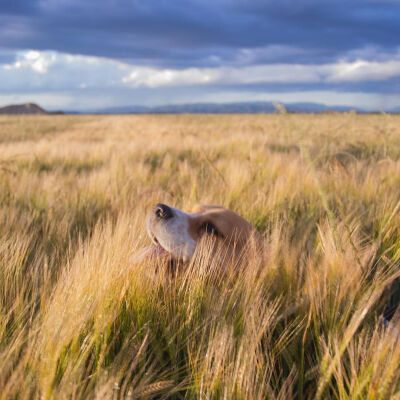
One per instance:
(78,320)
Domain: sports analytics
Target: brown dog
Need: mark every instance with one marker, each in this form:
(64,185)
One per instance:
(176,234)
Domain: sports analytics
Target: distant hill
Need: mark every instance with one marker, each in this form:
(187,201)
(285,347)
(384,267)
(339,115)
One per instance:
(224,108)
(27,108)
(259,107)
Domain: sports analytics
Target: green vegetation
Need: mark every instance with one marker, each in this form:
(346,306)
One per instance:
(78,320)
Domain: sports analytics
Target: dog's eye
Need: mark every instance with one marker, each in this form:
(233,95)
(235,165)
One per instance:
(210,229)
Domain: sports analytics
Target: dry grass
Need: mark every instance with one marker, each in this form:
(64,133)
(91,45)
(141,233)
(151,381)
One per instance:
(78,321)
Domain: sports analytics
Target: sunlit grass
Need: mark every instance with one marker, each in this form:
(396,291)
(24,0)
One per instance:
(78,320)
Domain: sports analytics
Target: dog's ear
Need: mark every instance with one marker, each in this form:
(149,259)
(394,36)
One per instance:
(201,208)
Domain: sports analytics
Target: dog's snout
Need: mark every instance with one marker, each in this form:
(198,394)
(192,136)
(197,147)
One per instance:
(162,211)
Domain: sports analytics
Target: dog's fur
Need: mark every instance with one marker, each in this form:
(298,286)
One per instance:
(176,234)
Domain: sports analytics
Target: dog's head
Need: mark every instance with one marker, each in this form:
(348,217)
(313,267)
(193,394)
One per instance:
(176,234)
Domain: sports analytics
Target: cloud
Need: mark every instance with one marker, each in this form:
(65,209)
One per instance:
(199,34)
(359,70)
(48,70)
(159,51)
(362,70)
(86,82)
(38,62)
(153,78)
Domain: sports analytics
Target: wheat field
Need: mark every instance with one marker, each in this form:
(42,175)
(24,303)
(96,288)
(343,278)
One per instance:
(79,321)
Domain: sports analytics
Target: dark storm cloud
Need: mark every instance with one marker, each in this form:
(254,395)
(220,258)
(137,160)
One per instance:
(204,33)
(6,56)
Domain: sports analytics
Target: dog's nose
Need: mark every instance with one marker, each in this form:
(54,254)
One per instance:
(162,211)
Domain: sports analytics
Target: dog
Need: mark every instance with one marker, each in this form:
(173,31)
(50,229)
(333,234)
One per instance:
(176,234)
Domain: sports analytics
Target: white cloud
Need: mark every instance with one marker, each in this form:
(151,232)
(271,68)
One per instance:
(151,77)
(37,61)
(277,73)
(49,70)
(361,70)
(83,82)
(355,71)
(58,69)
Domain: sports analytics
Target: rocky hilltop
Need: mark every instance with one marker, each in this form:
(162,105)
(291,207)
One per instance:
(27,108)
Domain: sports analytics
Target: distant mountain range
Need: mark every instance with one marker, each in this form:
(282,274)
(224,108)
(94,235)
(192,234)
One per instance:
(197,108)
(226,108)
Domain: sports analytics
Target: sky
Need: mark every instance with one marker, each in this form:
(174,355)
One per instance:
(87,55)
